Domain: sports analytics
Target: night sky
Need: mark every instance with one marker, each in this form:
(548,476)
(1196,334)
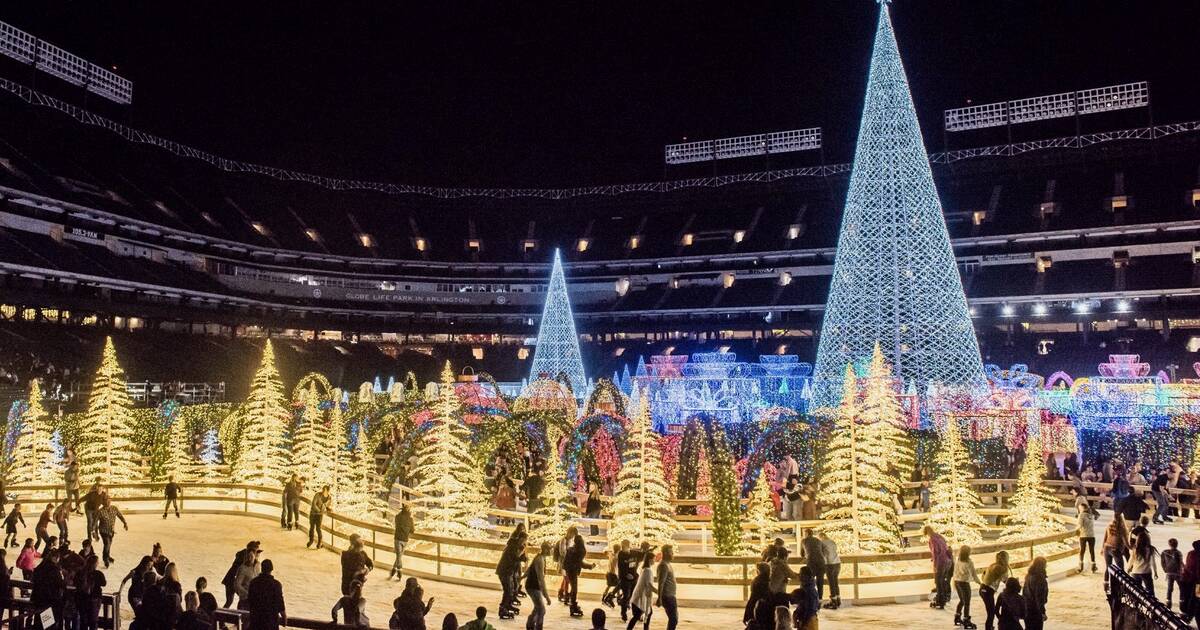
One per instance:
(552,94)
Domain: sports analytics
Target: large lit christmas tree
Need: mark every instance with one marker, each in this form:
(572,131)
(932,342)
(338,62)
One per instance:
(881,415)
(1032,504)
(953,503)
(34,455)
(357,492)
(451,488)
(557,507)
(557,349)
(641,509)
(263,458)
(856,486)
(895,278)
(724,493)
(106,448)
(179,462)
(317,443)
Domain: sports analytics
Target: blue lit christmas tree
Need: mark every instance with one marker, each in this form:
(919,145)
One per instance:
(557,349)
(895,280)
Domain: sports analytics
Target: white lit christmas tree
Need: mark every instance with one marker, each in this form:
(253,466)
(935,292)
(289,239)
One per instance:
(357,493)
(884,419)
(557,503)
(856,486)
(641,509)
(557,349)
(179,462)
(33,459)
(106,449)
(450,489)
(761,519)
(262,459)
(895,278)
(314,445)
(953,503)
(1032,504)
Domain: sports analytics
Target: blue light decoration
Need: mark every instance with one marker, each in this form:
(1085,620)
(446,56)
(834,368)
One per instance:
(557,350)
(895,279)
(717,385)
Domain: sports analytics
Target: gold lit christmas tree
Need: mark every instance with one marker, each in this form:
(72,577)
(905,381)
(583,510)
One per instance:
(106,449)
(1033,503)
(953,503)
(262,458)
(641,509)
(357,492)
(33,456)
(451,486)
(179,462)
(761,519)
(557,503)
(856,485)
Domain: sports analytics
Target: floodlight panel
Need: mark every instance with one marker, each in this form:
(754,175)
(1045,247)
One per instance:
(1114,97)
(1046,107)
(685,152)
(55,61)
(743,146)
(977,117)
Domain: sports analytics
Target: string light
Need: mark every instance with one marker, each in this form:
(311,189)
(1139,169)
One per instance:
(262,458)
(106,449)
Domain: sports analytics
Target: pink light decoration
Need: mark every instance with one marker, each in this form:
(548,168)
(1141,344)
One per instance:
(1058,378)
(1124,366)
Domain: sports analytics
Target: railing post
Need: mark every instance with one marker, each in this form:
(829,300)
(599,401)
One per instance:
(245,499)
(855,565)
(372,545)
(439,557)
(745,581)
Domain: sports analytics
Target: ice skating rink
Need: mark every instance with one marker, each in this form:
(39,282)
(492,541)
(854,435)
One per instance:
(204,545)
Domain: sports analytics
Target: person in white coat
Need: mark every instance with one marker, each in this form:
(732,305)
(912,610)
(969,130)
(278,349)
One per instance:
(642,599)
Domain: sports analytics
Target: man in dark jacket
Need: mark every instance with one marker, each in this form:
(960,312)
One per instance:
(231,575)
(814,559)
(91,507)
(49,587)
(401,532)
(355,563)
(264,601)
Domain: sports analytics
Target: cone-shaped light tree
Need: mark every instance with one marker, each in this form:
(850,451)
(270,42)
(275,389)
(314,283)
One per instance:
(557,349)
(311,457)
(357,489)
(856,485)
(881,414)
(179,462)
(106,449)
(1032,503)
(895,279)
(451,486)
(33,457)
(557,507)
(641,509)
(953,503)
(263,458)
(761,519)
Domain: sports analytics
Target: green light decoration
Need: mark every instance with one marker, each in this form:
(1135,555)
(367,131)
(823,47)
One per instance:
(895,279)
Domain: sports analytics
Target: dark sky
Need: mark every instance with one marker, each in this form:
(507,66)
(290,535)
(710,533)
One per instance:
(568,93)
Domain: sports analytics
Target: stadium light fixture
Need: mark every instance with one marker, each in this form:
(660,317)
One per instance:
(1049,107)
(1123,306)
(727,279)
(793,232)
(366,240)
(785,278)
(687,239)
(1081,307)
(312,235)
(420,243)
(582,245)
(743,146)
(635,241)
(622,285)
(1039,309)
(522,353)
(739,236)
(1007,310)
(52,60)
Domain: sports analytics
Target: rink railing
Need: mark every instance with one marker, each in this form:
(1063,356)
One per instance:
(705,579)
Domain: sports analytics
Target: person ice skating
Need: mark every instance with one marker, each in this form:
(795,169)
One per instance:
(666,587)
(1036,593)
(993,578)
(759,591)
(964,574)
(807,601)
(61,515)
(643,595)
(207,601)
(353,607)
(627,574)
(1172,565)
(107,519)
(401,531)
(1142,567)
(10,525)
(573,565)
(172,492)
(71,481)
(251,549)
(246,573)
(1116,545)
(92,502)
(265,601)
(833,569)
(49,586)
(290,488)
(1086,522)
(479,622)
(408,609)
(316,513)
(42,529)
(355,564)
(560,556)
(159,560)
(535,587)
(814,559)
(1010,606)
(943,567)
(135,580)
(611,582)
(28,559)
(508,570)
(293,505)
(780,574)
(89,592)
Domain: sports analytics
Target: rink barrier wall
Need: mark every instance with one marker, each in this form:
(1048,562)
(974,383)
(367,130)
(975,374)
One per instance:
(705,580)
